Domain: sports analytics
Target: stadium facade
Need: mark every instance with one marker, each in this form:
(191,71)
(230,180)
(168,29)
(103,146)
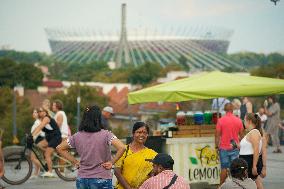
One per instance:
(200,48)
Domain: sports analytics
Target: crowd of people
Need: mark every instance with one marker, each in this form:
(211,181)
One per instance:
(133,164)
(243,135)
(241,139)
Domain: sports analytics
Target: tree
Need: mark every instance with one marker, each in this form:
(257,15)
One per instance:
(145,73)
(183,62)
(274,70)
(12,73)
(25,57)
(24,119)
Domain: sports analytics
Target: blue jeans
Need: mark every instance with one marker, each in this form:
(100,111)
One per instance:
(227,156)
(93,183)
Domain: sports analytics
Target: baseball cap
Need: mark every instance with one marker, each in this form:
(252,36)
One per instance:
(108,109)
(165,160)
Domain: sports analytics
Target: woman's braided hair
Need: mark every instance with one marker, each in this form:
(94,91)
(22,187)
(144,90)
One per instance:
(91,120)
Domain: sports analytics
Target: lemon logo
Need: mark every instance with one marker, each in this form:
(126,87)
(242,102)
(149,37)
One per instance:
(207,156)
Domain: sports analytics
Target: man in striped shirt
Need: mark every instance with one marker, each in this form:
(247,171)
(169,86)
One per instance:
(164,177)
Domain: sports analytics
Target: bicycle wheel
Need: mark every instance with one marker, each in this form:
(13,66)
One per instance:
(64,168)
(18,168)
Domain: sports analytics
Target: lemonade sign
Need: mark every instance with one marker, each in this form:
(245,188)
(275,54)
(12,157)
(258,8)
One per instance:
(204,164)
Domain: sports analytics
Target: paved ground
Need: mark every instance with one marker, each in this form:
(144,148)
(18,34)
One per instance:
(274,179)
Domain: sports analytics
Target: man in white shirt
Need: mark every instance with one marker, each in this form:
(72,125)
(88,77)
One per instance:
(219,103)
(107,113)
(61,118)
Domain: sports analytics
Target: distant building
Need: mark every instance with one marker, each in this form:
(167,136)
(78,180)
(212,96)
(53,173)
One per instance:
(199,47)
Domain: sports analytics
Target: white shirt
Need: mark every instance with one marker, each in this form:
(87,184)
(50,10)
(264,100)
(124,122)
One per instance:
(263,119)
(221,103)
(64,127)
(35,125)
(246,146)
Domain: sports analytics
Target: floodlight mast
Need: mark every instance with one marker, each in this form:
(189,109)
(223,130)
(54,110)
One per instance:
(123,49)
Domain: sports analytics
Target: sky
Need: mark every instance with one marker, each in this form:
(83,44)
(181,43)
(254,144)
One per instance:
(258,25)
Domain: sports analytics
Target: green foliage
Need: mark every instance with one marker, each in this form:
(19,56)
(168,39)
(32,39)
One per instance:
(24,119)
(250,60)
(74,72)
(89,96)
(183,62)
(120,132)
(25,57)
(232,69)
(145,73)
(12,73)
(274,70)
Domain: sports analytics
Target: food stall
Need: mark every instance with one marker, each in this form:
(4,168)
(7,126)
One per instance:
(193,146)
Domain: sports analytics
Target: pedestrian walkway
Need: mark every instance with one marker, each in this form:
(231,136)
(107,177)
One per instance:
(273,180)
(275,170)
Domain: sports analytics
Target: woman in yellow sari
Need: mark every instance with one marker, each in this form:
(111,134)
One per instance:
(132,169)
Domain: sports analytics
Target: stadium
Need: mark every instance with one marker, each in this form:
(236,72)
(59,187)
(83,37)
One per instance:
(199,47)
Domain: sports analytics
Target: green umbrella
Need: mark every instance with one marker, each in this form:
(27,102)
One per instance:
(208,86)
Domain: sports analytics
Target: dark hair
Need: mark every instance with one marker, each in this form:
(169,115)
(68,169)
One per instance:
(58,104)
(229,107)
(138,125)
(273,98)
(91,120)
(238,168)
(255,119)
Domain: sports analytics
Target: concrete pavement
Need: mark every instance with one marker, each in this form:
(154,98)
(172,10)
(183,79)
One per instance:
(274,179)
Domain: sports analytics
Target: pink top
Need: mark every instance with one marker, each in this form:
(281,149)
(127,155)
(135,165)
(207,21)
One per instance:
(230,127)
(163,179)
(94,149)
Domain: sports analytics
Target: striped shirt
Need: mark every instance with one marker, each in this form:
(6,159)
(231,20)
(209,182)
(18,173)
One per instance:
(163,179)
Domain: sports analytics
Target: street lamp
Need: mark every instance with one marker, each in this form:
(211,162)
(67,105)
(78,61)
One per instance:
(78,109)
(15,131)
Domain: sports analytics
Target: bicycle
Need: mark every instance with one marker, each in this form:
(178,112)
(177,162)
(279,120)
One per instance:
(18,165)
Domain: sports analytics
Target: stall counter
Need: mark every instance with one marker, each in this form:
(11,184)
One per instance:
(195,158)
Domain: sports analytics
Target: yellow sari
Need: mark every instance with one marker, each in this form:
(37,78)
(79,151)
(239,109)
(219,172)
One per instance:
(135,169)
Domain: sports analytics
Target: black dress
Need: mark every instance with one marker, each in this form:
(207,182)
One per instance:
(52,133)
(249,160)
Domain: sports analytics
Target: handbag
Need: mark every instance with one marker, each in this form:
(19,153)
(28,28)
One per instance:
(121,167)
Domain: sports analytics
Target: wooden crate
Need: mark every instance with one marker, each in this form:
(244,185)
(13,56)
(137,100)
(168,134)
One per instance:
(187,131)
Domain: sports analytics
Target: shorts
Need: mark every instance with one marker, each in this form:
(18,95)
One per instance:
(39,139)
(249,160)
(227,156)
(53,140)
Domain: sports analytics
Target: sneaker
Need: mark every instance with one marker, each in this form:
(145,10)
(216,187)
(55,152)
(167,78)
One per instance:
(48,174)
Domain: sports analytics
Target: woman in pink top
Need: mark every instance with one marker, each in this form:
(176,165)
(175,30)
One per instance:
(93,144)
